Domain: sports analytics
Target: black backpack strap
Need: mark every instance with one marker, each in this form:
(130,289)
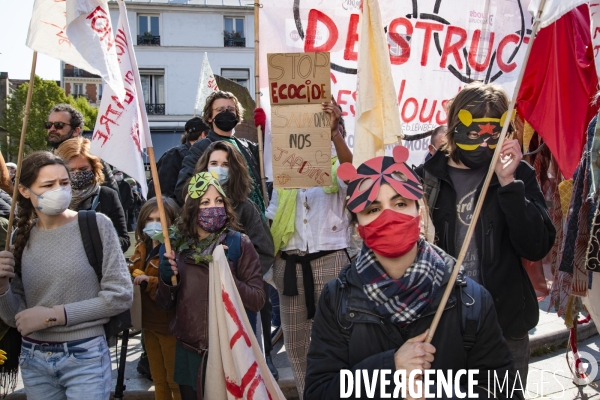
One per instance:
(472,307)
(92,243)
(431,189)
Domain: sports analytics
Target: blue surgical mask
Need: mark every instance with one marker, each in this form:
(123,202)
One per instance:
(222,173)
(152,228)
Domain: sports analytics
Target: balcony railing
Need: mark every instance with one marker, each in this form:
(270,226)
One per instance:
(155,109)
(235,42)
(147,40)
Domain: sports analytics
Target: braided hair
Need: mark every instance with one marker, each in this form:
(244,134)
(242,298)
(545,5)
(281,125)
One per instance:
(26,215)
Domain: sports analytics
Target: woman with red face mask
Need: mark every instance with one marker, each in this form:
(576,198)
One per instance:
(376,315)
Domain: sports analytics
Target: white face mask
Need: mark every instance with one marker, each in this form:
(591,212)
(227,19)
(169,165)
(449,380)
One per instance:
(119,178)
(152,228)
(222,173)
(54,202)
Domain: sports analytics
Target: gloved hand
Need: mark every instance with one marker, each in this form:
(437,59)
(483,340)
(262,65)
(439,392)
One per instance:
(37,318)
(7,270)
(168,267)
(260,118)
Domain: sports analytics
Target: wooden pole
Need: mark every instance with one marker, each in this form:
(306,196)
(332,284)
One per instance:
(161,206)
(486,183)
(261,156)
(11,217)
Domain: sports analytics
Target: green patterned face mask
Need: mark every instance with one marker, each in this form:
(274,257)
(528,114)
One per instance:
(200,182)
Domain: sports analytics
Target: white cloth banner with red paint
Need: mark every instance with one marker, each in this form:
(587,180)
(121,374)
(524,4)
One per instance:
(206,85)
(122,132)
(435,47)
(595,27)
(236,367)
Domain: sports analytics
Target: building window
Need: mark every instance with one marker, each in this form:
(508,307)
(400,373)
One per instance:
(153,87)
(77,89)
(234,32)
(100,91)
(241,76)
(148,30)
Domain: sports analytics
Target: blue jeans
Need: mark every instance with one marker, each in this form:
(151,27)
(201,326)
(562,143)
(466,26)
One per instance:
(64,375)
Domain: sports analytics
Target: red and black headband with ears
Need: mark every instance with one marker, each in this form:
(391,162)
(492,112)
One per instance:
(364,182)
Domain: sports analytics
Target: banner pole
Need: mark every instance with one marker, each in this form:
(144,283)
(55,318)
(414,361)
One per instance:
(11,217)
(161,206)
(486,183)
(261,155)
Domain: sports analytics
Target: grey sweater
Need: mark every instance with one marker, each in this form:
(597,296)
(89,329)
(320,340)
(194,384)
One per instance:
(55,270)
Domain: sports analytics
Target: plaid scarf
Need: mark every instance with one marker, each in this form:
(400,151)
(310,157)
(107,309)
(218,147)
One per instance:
(403,300)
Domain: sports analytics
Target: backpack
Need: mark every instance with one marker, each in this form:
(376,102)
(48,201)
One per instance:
(470,295)
(92,243)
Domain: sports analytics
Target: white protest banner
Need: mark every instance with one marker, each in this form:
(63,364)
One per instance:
(553,9)
(435,48)
(121,132)
(595,27)
(236,368)
(48,34)
(206,85)
(90,31)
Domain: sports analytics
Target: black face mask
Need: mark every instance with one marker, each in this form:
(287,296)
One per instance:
(476,159)
(226,121)
(80,180)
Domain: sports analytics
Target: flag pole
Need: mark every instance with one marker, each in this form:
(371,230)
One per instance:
(486,183)
(160,205)
(261,155)
(11,217)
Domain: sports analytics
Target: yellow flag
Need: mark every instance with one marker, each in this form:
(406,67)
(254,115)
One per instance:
(377,117)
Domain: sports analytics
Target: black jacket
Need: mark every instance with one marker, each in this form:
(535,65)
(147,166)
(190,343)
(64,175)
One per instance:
(5,202)
(109,179)
(514,223)
(254,225)
(168,168)
(370,341)
(248,149)
(109,205)
(126,195)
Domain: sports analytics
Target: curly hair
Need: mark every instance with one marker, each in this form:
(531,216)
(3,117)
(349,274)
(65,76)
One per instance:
(207,112)
(29,173)
(187,224)
(79,146)
(239,184)
(76,116)
(171,212)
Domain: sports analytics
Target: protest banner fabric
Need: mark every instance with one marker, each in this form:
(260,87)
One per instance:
(435,47)
(236,368)
(122,132)
(377,119)
(553,9)
(206,85)
(595,28)
(301,130)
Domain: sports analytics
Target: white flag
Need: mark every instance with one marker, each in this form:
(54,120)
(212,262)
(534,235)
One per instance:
(595,26)
(121,132)
(206,86)
(553,9)
(48,34)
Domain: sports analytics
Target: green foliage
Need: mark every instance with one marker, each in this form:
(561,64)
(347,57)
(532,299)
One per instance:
(45,95)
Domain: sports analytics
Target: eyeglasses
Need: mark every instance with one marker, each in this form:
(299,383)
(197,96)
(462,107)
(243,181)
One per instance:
(221,109)
(57,124)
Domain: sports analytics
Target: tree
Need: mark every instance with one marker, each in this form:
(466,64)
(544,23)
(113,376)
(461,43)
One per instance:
(45,95)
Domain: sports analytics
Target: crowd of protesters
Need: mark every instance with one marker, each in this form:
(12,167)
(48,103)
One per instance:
(368,312)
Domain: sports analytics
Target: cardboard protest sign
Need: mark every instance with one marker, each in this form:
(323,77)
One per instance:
(301,146)
(299,78)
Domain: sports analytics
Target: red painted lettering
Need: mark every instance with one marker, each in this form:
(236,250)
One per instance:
(399,40)
(101,24)
(512,38)
(314,17)
(231,310)
(479,67)
(415,103)
(428,118)
(429,27)
(352,38)
(341,101)
(438,119)
(274,92)
(99,135)
(453,48)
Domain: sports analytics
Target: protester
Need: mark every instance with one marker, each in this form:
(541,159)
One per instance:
(170,162)
(55,299)
(226,163)
(207,220)
(5,203)
(376,314)
(311,230)
(12,170)
(222,112)
(138,201)
(159,343)
(438,138)
(514,221)
(125,193)
(66,122)
(86,180)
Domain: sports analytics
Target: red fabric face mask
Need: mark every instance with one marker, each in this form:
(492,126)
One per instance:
(391,234)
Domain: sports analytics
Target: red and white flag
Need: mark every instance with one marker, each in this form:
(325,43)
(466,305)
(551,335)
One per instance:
(121,133)
(206,85)
(78,32)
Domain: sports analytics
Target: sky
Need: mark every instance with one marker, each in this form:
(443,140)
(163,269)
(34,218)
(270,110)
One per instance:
(15,57)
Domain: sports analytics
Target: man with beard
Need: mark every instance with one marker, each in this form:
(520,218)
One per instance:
(66,122)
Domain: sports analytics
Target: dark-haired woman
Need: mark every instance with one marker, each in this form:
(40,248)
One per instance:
(55,299)
(159,343)
(207,220)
